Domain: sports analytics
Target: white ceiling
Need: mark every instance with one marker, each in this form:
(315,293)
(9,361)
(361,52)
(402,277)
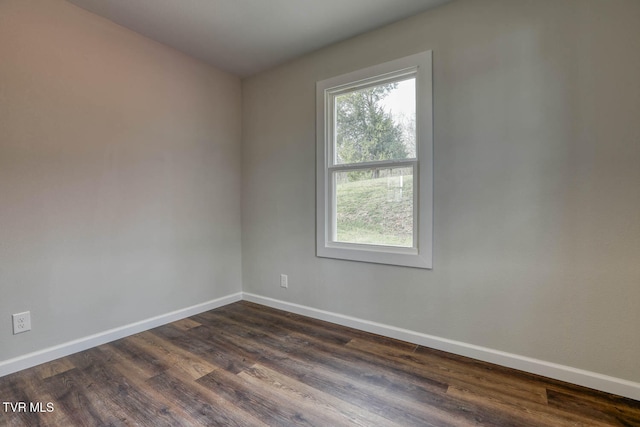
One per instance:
(248,36)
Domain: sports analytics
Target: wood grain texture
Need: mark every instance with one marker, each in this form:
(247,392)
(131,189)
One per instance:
(249,365)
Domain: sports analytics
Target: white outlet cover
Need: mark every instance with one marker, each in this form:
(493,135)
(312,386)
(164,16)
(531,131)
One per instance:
(21,322)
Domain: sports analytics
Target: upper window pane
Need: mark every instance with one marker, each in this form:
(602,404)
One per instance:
(376,123)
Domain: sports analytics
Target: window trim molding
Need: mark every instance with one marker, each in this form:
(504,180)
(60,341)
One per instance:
(421,254)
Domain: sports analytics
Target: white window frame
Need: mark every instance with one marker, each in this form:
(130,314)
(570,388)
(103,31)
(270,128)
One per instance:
(420,255)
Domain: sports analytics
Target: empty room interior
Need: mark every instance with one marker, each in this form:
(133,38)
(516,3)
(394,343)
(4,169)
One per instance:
(320,213)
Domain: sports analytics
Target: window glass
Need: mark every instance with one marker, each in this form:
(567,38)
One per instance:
(375,206)
(376,123)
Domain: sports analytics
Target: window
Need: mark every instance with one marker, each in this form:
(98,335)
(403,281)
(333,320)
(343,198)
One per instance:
(374,164)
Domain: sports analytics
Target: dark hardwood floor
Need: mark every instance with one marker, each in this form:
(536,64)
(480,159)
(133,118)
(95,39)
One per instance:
(249,365)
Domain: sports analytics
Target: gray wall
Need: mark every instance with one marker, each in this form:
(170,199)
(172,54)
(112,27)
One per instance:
(119,176)
(537,173)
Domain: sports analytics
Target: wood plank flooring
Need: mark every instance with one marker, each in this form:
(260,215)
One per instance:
(249,365)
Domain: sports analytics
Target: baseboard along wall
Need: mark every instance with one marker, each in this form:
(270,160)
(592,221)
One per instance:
(556,371)
(569,374)
(48,354)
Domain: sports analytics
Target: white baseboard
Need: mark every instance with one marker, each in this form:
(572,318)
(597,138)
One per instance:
(581,377)
(569,374)
(65,349)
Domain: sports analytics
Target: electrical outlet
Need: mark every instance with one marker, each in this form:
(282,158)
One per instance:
(284,281)
(21,322)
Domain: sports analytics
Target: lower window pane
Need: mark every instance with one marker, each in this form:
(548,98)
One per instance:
(375,206)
